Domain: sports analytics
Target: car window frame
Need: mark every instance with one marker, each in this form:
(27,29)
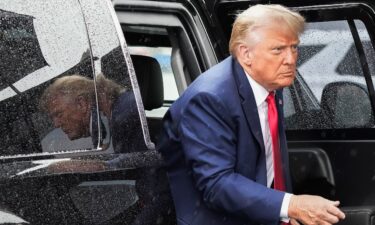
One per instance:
(186,31)
(191,22)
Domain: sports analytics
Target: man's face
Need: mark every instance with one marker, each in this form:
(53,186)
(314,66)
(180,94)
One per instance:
(71,115)
(273,58)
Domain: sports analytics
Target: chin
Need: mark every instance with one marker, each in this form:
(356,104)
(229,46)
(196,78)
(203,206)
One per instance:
(286,83)
(72,137)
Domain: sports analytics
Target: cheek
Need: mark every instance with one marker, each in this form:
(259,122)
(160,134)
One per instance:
(273,70)
(64,117)
(73,118)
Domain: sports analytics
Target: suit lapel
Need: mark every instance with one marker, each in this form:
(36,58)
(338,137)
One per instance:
(248,102)
(251,113)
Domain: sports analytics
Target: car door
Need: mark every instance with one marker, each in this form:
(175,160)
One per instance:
(330,107)
(107,175)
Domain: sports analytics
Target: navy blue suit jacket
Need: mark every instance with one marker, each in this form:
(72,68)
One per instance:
(125,126)
(214,152)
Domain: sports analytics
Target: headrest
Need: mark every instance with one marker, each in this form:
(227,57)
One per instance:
(150,81)
(347,104)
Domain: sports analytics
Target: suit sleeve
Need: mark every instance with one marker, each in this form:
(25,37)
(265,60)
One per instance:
(208,136)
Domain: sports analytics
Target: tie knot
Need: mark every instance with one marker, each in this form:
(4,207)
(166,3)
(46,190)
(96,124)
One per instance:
(271,97)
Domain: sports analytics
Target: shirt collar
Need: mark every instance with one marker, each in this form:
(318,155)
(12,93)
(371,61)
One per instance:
(260,93)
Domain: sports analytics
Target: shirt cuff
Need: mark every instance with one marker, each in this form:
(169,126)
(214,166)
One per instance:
(285,207)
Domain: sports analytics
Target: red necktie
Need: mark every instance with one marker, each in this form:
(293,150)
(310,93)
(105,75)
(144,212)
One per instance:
(278,181)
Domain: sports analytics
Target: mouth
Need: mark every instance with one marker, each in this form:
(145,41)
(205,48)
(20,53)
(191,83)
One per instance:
(70,135)
(288,74)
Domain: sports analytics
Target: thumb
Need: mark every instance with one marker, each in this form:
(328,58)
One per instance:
(336,203)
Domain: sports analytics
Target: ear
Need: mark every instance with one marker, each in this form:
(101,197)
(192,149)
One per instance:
(244,54)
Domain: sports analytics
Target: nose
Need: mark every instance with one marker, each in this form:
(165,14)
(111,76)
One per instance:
(290,57)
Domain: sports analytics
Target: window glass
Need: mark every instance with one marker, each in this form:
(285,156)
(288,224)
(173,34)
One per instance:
(163,56)
(154,43)
(122,127)
(330,79)
(288,105)
(367,47)
(41,41)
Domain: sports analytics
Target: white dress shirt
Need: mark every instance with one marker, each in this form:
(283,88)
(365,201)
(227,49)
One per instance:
(260,95)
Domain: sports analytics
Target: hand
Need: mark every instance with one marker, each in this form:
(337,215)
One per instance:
(294,222)
(77,166)
(314,210)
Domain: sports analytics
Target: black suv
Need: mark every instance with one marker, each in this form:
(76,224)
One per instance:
(155,49)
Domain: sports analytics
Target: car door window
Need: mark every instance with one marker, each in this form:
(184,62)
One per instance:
(178,43)
(163,56)
(120,114)
(330,79)
(158,47)
(41,41)
(168,48)
(175,50)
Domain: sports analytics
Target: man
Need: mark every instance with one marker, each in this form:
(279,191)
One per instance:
(223,140)
(70,102)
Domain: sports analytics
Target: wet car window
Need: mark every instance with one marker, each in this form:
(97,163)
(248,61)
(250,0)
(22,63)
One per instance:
(42,41)
(123,128)
(330,79)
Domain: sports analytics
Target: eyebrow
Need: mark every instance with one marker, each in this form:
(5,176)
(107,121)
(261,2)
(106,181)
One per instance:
(280,45)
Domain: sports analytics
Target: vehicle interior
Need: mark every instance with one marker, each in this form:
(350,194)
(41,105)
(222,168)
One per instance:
(169,67)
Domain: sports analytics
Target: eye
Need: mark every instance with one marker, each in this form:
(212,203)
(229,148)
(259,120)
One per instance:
(277,50)
(294,48)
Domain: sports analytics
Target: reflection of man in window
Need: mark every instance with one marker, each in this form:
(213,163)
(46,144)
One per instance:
(69,102)
(71,99)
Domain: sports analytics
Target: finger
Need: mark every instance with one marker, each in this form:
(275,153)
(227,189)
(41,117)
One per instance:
(327,217)
(336,203)
(324,223)
(336,212)
(294,222)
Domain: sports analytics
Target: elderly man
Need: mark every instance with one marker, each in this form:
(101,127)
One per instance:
(70,102)
(224,141)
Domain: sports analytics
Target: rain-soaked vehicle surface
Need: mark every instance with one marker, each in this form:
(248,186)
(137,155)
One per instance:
(57,169)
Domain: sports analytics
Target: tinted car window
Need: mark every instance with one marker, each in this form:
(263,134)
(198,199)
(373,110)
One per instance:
(45,105)
(40,42)
(120,110)
(330,79)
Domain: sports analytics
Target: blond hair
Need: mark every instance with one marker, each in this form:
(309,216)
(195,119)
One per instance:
(108,88)
(260,15)
(70,86)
